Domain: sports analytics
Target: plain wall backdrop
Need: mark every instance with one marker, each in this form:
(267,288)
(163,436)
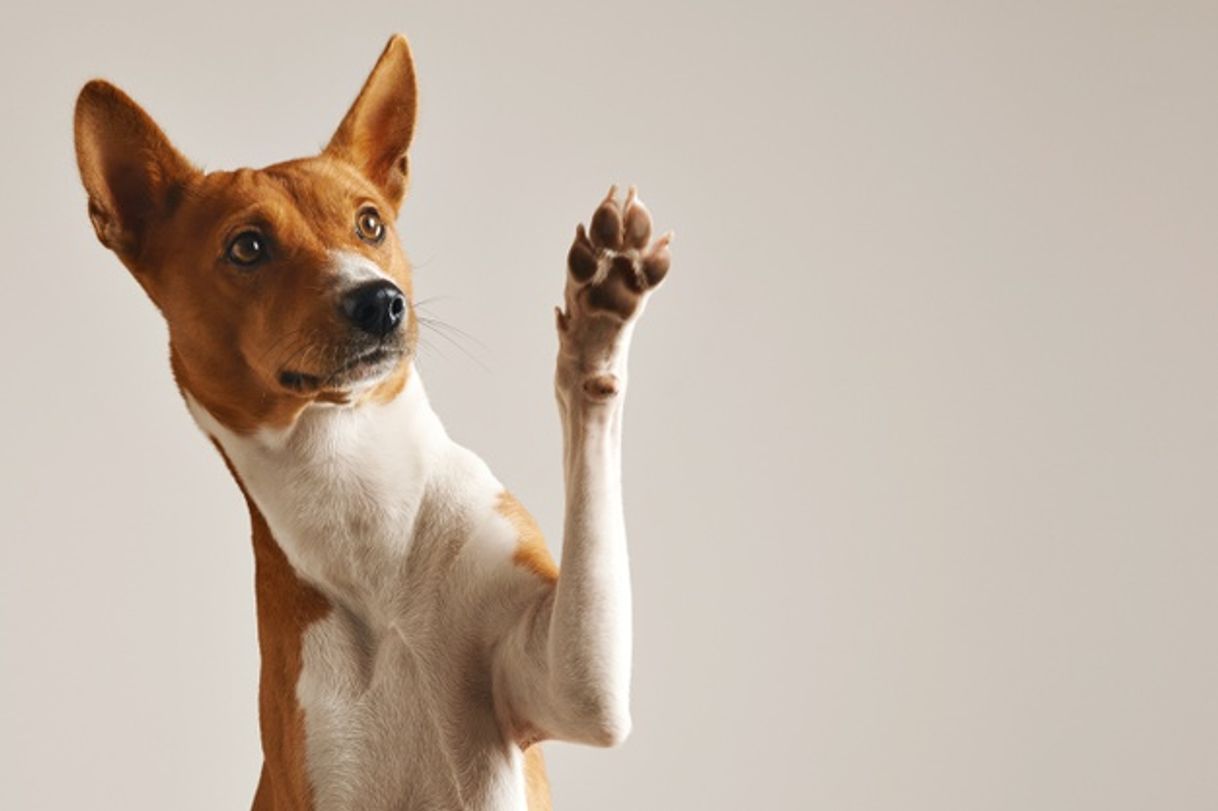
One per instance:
(921,457)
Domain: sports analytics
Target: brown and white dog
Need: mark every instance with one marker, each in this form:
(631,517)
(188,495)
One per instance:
(417,639)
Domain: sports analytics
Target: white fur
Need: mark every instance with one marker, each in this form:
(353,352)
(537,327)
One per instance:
(440,655)
(351,269)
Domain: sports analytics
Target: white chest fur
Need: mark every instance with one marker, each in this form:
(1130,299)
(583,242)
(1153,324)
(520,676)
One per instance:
(396,524)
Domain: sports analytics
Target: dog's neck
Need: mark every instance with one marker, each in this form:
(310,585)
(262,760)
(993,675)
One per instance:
(341,488)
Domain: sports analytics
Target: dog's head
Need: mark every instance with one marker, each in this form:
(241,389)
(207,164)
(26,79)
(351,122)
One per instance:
(281,286)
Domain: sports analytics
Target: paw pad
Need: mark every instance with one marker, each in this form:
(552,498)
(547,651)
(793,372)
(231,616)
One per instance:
(612,263)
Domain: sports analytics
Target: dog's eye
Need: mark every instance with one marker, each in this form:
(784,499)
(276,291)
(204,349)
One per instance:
(369,226)
(247,249)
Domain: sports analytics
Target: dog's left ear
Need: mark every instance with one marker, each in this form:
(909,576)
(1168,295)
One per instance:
(377,130)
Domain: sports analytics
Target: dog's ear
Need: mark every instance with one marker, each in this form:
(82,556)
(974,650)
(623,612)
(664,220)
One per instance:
(130,170)
(377,129)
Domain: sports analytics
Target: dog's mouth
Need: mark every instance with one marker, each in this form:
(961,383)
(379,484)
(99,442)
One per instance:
(360,368)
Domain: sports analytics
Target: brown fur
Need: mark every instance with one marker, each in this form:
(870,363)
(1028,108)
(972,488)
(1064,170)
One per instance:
(532,554)
(531,550)
(282,317)
(286,606)
(170,224)
(537,786)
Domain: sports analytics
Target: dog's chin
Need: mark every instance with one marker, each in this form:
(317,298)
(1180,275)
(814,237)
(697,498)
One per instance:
(362,371)
(366,369)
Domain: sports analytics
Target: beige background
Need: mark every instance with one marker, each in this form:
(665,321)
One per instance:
(922,452)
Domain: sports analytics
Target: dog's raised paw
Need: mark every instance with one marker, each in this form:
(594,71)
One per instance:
(613,263)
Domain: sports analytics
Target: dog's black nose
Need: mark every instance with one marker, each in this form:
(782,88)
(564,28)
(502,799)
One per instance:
(376,308)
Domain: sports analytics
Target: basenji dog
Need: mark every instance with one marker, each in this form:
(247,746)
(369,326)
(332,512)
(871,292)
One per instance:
(417,639)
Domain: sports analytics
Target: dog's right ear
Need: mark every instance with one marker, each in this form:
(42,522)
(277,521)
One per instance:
(130,170)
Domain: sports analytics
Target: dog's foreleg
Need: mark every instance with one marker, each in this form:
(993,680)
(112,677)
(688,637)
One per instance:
(567,670)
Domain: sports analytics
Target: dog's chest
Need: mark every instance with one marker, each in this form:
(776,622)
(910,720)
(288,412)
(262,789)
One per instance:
(402,717)
(398,528)
(344,491)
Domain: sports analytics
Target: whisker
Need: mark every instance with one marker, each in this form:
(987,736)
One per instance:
(431,347)
(431,299)
(456,344)
(436,323)
(279,341)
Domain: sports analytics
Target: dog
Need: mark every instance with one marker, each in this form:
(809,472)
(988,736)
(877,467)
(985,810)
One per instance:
(417,640)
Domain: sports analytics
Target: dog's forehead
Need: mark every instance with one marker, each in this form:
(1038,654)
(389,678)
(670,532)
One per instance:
(316,189)
(320,182)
